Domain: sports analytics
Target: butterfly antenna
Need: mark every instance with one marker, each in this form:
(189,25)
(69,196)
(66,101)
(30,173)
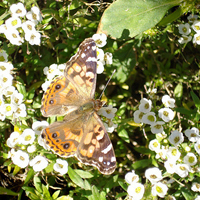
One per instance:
(107,84)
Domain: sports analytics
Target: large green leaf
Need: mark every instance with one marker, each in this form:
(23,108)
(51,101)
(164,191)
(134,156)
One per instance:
(125,19)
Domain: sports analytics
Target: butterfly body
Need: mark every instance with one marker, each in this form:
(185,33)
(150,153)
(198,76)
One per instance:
(81,133)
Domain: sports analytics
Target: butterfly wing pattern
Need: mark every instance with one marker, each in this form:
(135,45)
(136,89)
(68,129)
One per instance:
(81,133)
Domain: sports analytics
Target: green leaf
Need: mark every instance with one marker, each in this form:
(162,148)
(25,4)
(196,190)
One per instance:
(195,99)
(37,184)
(95,193)
(29,176)
(123,185)
(124,135)
(83,174)
(20,86)
(135,17)
(5,191)
(178,91)
(142,164)
(46,192)
(16,170)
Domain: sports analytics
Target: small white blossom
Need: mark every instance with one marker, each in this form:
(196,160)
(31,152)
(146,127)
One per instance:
(61,166)
(61,68)
(170,166)
(27,137)
(145,105)
(100,67)
(51,71)
(45,85)
(196,26)
(157,127)
(100,39)
(28,26)
(168,101)
(195,187)
(192,18)
(184,29)
(197,146)
(5,67)
(173,153)
(100,55)
(20,111)
(162,153)
(108,58)
(13,139)
(108,112)
(137,116)
(131,177)
(3,56)
(190,159)
(196,38)
(197,198)
(184,39)
(6,80)
(14,37)
(192,134)
(38,126)
(13,23)
(9,109)
(136,190)
(149,118)
(42,143)
(153,175)
(154,145)
(20,158)
(110,126)
(182,170)
(159,189)
(176,138)
(38,163)
(166,114)
(31,148)
(34,15)
(33,37)
(17,98)
(18,10)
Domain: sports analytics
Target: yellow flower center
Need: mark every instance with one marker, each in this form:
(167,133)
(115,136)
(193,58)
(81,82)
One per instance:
(28,138)
(138,189)
(159,189)
(14,22)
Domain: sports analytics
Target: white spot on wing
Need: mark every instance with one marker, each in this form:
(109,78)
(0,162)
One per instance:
(100,159)
(107,149)
(93,59)
(83,55)
(93,48)
(113,159)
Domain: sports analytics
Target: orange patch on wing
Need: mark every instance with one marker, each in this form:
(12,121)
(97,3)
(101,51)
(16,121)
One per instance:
(78,80)
(83,152)
(90,151)
(88,138)
(100,134)
(77,68)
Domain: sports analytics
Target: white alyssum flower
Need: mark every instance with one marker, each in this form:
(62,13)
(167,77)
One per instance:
(136,190)
(38,126)
(18,10)
(100,39)
(20,111)
(182,170)
(100,55)
(38,163)
(34,15)
(3,56)
(6,67)
(28,26)
(131,177)
(154,145)
(159,189)
(176,138)
(197,146)
(27,137)
(9,91)
(173,153)
(162,153)
(137,116)
(157,127)
(6,80)
(31,148)
(61,68)
(149,118)
(192,134)
(61,166)
(17,98)
(110,126)
(9,109)
(13,139)
(42,143)
(196,38)
(196,26)
(14,37)
(195,187)
(166,114)
(190,159)
(153,174)
(185,39)
(2,113)
(145,105)
(13,23)
(108,112)
(51,71)
(45,85)
(197,198)
(168,101)
(33,37)
(170,166)
(20,158)
(100,67)
(108,58)
(191,18)
(184,29)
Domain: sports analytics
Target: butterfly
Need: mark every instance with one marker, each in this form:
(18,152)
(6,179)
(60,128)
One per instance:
(81,133)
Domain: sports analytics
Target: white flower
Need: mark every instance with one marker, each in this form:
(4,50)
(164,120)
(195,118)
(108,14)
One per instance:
(157,127)
(196,26)
(13,139)
(38,126)
(136,191)
(1,101)
(166,114)
(100,39)
(100,55)
(3,29)
(184,39)
(173,153)
(196,38)
(20,158)
(168,102)
(184,29)
(31,148)
(153,175)
(33,37)
(5,67)
(13,23)
(6,80)
(192,134)
(61,68)
(145,105)
(18,10)
(42,143)
(17,98)
(192,18)
(190,159)
(38,163)
(131,177)
(149,118)
(176,138)
(61,166)
(3,56)
(162,153)
(9,91)
(14,37)
(137,116)
(28,26)
(100,67)
(170,166)
(154,145)
(197,146)
(2,113)
(108,58)
(9,109)
(197,198)
(27,137)
(182,170)
(195,187)
(159,189)
(34,15)
(108,112)
(110,126)
(20,111)
(51,71)
(45,85)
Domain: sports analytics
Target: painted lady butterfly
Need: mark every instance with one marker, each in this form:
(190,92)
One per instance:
(81,133)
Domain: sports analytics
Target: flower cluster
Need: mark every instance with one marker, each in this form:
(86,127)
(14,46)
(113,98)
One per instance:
(24,148)
(11,101)
(187,34)
(21,25)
